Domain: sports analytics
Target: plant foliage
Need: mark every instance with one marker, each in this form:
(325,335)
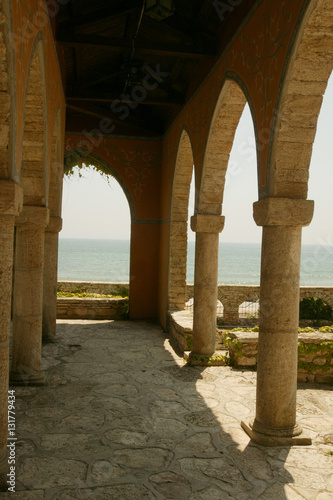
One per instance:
(315,309)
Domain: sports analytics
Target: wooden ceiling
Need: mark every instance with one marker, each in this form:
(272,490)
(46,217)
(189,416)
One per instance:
(122,65)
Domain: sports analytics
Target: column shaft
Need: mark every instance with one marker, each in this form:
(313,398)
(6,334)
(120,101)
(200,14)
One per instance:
(6,270)
(11,200)
(277,348)
(275,421)
(50,279)
(207,228)
(28,296)
(205,293)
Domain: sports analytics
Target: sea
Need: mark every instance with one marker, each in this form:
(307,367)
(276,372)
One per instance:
(239,263)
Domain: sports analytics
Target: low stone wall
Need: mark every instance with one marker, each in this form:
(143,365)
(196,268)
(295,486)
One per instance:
(92,308)
(315,354)
(181,331)
(232,296)
(92,287)
(315,349)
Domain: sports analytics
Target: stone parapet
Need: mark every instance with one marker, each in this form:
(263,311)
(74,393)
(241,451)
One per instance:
(315,354)
(181,331)
(92,287)
(77,308)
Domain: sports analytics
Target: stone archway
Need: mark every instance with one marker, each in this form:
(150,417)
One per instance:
(79,156)
(309,68)
(207,221)
(178,223)
(228,111)
(34,171)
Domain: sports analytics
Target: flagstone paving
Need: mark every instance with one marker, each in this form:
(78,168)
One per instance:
(121,417)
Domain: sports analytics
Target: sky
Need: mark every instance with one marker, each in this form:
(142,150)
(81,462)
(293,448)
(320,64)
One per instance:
(94,209)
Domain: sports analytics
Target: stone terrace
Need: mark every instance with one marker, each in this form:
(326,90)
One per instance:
(122,417)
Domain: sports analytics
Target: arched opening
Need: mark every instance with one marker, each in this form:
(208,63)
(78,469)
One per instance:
(95,240)
(310,67)
(179,224)
(317,239)
(34,170)
(230,176)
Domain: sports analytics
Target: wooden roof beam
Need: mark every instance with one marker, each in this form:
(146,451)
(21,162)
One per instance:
(119,45)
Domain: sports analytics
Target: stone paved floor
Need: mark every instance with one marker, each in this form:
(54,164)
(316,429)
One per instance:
(122,418)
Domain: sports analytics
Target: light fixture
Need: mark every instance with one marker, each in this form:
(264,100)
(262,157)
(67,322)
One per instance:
(159,9)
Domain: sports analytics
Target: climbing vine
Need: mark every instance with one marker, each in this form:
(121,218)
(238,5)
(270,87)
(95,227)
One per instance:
(76,163)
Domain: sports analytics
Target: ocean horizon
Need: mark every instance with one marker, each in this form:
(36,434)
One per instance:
(239,263)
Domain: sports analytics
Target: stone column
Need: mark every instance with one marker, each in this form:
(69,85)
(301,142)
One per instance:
(11,201)
(50,279)
(207,228)
(28,296)
(282,220)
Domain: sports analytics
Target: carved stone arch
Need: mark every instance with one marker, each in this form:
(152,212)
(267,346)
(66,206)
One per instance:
(178,222)
(7,95)
(307,72)
(79,155)
(228,110)
(56,168)
(34,171)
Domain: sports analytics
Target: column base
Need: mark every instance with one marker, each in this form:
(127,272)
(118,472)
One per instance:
(25,379)
(217,358)
(50,338)
(276,437)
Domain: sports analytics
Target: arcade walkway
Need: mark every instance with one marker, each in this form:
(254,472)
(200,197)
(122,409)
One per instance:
(122,418)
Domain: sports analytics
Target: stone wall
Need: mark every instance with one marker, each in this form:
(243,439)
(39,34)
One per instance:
(232,296)
(92,287)
(315,349)
(86,308)
(315,354)
(92,308)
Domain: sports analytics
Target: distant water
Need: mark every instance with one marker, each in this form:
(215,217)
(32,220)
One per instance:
(239,263)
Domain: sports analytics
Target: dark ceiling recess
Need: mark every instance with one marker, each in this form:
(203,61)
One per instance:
(131,65)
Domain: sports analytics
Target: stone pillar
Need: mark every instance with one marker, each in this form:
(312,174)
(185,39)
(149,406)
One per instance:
(282,220)
(207,228)
(50,279)
(11,201)
(28,296)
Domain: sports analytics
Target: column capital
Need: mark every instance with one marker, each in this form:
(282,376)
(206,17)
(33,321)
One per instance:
(283,212)
(207,223)
(33,216)
(54,225)
(11,198)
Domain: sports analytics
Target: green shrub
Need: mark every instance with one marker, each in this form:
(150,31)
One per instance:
(315,309)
